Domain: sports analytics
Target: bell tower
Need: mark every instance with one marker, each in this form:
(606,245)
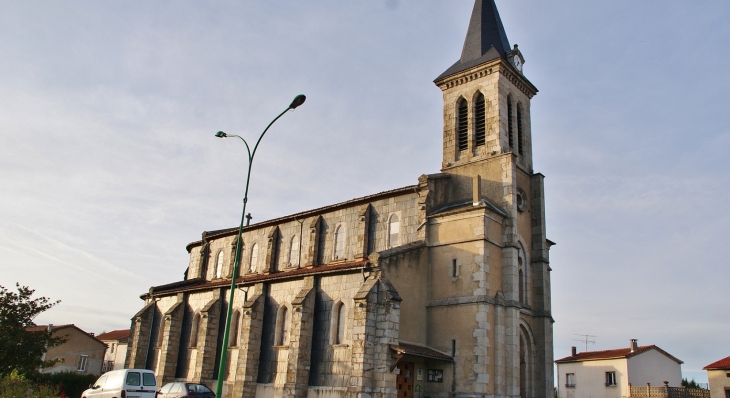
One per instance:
(486,96)
(487,160)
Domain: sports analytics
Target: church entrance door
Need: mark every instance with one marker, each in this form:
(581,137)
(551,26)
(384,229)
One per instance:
(404,379)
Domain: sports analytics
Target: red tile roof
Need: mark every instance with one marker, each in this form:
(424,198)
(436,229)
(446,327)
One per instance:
(42,328)
(114,335)
(721,364)
(613,354)
(56,328)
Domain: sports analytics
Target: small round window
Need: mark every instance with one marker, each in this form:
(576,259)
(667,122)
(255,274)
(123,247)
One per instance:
(521,200)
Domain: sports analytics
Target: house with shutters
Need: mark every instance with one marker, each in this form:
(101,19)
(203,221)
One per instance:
(439,288)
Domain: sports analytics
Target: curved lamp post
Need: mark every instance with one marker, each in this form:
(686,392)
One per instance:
(298,100)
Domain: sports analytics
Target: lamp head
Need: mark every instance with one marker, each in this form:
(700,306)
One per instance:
(221,134)
(298,100)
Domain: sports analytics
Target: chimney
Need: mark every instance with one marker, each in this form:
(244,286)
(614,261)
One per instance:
(573,351)
(634,345)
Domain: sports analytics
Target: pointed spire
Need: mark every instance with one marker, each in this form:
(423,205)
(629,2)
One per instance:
(485,39)
(485,31)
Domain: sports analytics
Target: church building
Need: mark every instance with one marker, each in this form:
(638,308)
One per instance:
(438,289)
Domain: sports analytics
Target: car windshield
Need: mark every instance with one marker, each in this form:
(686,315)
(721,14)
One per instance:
(198,388)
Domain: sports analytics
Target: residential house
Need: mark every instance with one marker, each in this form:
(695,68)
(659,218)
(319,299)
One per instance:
(116,353)
(718,374)
(610,373)
(81,353)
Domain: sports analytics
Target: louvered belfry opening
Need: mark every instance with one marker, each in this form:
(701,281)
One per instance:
(510,124)
(520,136)
(463,125)
(480,122)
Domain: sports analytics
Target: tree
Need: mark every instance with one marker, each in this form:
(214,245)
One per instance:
(690,384)
(22,349)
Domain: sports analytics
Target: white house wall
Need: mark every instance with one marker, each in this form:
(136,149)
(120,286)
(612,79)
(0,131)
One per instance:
(590,379)
(654,367)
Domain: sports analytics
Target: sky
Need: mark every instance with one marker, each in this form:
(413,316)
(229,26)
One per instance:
(109,166)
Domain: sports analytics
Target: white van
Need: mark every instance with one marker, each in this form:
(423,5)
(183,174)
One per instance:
(124,383)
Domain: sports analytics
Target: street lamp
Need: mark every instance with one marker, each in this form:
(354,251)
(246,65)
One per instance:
(298,100)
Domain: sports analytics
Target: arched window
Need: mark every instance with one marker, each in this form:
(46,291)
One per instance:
(233,337)
(283,323)
(341,315)
(161,333)
(195,329)
(294,250)
(219,265)
(522,280)
(393,231)
(340,243)
(520,135)
(462,125)
(480,121)
(510,124)
(254,259)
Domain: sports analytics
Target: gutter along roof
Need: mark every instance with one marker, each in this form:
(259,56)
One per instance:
(201,284)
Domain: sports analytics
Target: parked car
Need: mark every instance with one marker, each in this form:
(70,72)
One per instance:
(124,383)
(185,390)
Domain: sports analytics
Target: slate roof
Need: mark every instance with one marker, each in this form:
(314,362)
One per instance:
(485,40)
(721,364)
(121,334)
(420,351)
(613,354)
(308,213)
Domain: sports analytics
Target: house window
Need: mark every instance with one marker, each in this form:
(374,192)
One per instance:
(510,124)
(570,379)
(462,125)
(393,231)
(339,243)
(294,250)
(194,331)
(341,320)
(233,337)
(219,265)
(112,348)
(283,326)
(454,268)
(254,259)
(83,362)
(610,378)
(520,135)
(480,121)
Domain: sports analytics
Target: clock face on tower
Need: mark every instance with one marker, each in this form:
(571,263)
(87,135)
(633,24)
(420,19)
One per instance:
(518,62)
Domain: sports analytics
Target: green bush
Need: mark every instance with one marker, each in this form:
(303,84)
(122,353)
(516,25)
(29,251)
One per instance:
(70,383)
(17,386)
